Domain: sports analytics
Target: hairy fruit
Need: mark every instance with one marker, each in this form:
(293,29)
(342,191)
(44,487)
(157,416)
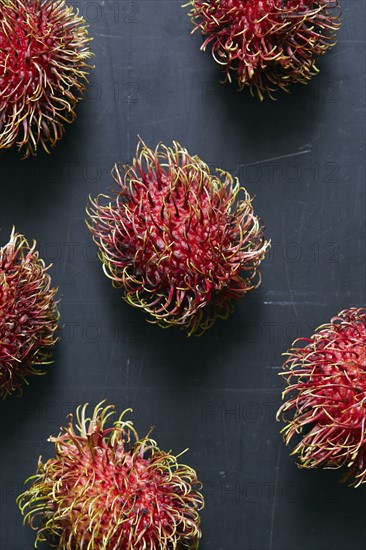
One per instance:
(266,44)
(106,489)
(325,401)
(181,241)
(28,314)
(44,48)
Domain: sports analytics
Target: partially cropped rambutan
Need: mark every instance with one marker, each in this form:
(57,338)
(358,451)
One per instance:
(325,401)
(44,47)
(175,241)
(28,314)
(106,489)
(266,44)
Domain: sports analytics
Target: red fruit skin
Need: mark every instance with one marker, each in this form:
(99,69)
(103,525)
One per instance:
(174,239)
(266,44)
(325,400)
(104,489)
(28,315)
(43,52)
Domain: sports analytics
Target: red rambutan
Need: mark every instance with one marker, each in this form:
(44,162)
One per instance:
(28,314)
(326,396)
(174,240)
(267,44)
(44,46)
(106,489)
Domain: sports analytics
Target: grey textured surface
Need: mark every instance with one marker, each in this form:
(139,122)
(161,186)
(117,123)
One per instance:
(304,159)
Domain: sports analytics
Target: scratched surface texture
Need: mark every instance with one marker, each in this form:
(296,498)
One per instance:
(303,159)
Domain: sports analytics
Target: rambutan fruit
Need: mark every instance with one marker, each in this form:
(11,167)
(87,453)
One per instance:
(28,314)
(266,44)
(106,489)
(325,400)
(44,46)
(173,239)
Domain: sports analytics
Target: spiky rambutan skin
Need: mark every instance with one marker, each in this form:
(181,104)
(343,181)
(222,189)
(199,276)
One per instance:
(106,489)
(174,240)
(28,314)
(266,44)
(325,401)
(44,47)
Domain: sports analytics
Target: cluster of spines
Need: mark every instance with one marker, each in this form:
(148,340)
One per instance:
(325,400)
(43,68)
(68,502)
(266,45)
(29,314)
(175,239)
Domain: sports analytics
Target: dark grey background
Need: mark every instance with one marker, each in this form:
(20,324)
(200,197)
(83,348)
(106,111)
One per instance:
(303,158)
